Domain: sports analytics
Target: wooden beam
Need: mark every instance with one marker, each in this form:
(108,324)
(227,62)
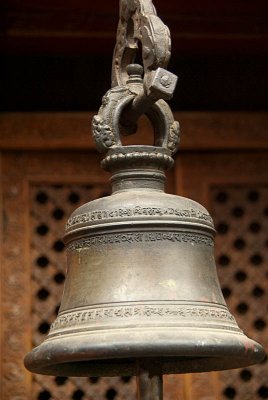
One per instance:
(200,131)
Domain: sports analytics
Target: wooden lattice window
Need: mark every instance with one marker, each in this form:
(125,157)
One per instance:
(50,207)
(241,217)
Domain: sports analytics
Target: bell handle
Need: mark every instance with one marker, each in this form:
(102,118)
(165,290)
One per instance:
(106,128)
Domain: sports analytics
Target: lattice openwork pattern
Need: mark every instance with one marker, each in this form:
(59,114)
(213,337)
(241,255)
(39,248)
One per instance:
(50,208)
(241,217)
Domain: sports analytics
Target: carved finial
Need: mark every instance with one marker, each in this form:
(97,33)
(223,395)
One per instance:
(138,89)
(135,72)
(139,25)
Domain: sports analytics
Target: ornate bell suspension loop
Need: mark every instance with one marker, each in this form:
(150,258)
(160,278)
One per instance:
(141,295)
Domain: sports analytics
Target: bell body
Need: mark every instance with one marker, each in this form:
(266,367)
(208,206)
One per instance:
(141,282)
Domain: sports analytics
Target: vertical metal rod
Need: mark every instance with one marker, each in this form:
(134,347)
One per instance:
(149,381)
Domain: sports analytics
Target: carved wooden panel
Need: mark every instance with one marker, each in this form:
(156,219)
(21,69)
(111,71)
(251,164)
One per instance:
(40,189)
(50,206)
(19,172)
(234,188)
(15,282)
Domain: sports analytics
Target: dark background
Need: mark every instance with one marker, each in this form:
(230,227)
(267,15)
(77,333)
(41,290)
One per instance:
(56,56)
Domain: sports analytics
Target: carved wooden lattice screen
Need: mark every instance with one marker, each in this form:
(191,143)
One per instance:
(50,207)
(241,217)
(230,184)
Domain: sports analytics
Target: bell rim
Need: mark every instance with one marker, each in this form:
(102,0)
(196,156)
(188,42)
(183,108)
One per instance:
(114,353)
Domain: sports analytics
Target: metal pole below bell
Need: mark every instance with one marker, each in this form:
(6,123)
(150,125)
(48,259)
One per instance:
(149,380)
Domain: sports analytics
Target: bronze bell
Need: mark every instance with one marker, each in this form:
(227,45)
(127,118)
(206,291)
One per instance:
(141,279)
(141,276)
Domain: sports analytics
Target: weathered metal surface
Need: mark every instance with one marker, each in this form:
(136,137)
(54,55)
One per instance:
(141,282)
(141,279)
(139,25)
